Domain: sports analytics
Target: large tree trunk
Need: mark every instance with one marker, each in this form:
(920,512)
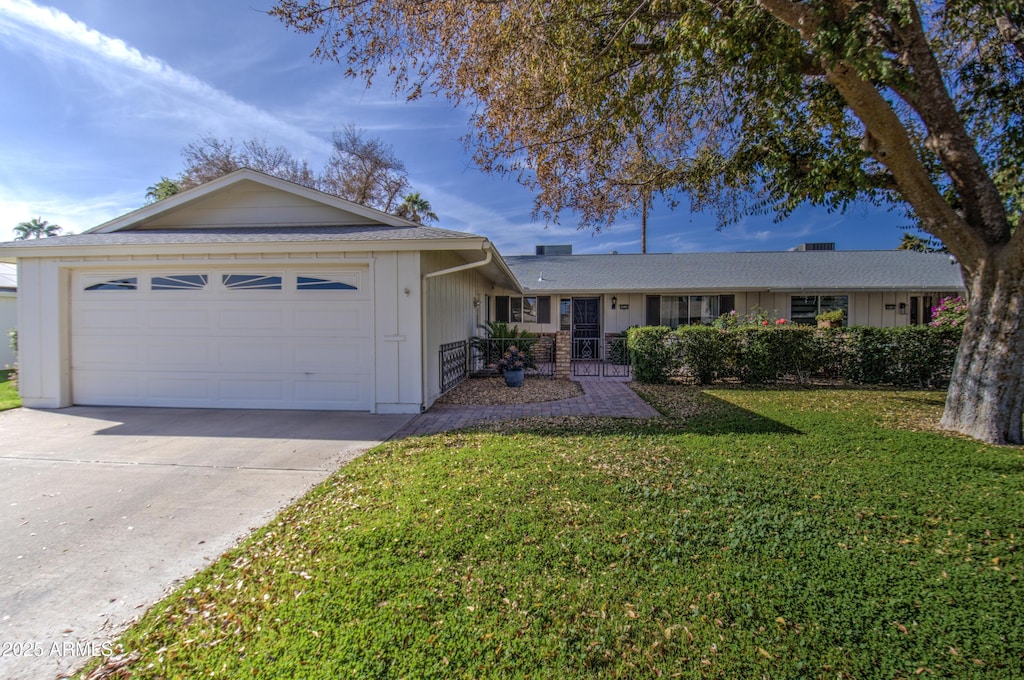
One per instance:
(986,394)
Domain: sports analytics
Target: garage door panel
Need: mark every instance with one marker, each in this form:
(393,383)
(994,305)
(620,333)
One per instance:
(339,356)
(179,390)
(245,353)
(264,319)
(321,391)
(212,347)
(98,388)
(186,354)
(252,391)
(101,318)
(347,319)
(119,353)
(174,319)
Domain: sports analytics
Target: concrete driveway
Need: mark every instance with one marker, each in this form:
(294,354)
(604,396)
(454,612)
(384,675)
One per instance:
(104,509)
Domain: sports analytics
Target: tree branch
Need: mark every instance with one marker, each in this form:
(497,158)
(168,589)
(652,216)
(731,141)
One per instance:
(947,136)
(1011,33)
(888,142)
(795,15)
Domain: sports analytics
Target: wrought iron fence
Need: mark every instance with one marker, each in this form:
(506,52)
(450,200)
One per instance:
(586,356)
(454,364)
(618,362)
(607,357)
(539,353)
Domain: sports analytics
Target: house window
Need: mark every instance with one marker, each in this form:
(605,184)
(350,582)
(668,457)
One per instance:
(251,281)
(127,283)
(512,309)
(804,308)
(180,282)
(565,314)
(318,283)
(686,310)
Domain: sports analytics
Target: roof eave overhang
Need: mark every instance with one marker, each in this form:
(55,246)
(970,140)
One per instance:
(11,254)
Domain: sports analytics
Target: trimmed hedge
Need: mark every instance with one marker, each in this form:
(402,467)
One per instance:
(653,354)
(918,356)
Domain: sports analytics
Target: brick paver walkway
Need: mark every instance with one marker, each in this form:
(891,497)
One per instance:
(601,397)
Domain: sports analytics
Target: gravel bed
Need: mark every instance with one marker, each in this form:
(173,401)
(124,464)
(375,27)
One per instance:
(494,392)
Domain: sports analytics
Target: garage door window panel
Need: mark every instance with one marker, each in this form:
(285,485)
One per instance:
(251,282)
(127,283)
(322,283)
(180,282)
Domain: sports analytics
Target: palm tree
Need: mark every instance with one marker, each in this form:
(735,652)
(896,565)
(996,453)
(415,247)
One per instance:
(416,208)
(162,189)
(37,227)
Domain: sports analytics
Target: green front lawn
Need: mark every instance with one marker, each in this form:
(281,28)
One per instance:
(8,392)
(779,534)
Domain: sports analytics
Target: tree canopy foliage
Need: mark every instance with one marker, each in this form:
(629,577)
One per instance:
(362,169)
(747,106)
(416,209)
(743,104)
(37,227)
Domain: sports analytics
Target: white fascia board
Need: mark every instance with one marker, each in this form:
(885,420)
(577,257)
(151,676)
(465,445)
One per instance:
(241,248)
(245,174)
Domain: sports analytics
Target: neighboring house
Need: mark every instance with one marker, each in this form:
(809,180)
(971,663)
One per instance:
(8,312)
(253,292)
(600,295)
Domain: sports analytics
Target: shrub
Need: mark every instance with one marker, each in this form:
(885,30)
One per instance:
(951,311)
(917,356)
(500,336)
(703,351)
(653,354)
(833,316)
(922,356)
(870,349)
(834,353)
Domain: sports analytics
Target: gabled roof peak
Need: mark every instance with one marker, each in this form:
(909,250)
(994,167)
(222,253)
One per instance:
(159,213)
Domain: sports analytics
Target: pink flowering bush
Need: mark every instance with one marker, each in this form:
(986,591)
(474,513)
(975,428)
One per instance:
(951,311)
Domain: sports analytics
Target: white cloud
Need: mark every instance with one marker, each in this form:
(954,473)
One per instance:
(169,93)
(74,215)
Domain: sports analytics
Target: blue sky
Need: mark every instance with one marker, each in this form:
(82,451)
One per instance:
(100,96)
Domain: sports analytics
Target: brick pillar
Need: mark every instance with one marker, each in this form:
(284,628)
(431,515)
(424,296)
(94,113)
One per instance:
(563,354)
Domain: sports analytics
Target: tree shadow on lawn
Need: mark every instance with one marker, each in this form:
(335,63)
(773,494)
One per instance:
(716,416)
(695,413)
(692,410)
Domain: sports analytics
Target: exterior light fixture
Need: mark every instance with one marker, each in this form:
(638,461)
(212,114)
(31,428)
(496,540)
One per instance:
(615,301)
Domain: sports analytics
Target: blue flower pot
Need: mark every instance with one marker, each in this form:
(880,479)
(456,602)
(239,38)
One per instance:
(514,378)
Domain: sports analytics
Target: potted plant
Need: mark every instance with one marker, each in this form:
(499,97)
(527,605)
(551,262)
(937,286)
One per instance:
(512,365)
(830,319)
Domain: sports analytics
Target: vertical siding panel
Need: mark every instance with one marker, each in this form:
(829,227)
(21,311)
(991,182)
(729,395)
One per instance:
(451,315)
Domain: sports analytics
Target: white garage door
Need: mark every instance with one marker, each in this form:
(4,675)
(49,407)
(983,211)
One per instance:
(256,337)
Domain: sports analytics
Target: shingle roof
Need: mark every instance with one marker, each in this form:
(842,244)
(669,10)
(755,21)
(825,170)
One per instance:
(789,270)
(244,235)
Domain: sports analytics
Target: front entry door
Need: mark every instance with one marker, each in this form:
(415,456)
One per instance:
(586,328)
